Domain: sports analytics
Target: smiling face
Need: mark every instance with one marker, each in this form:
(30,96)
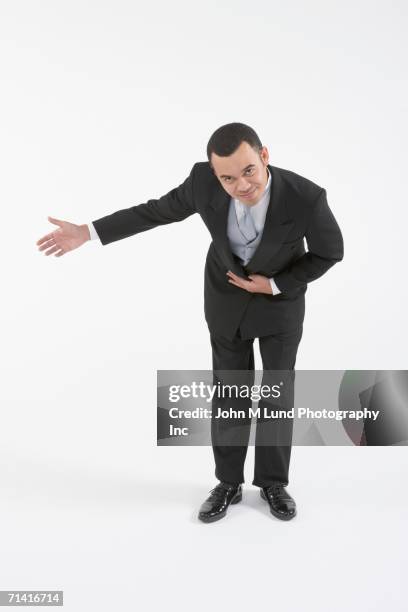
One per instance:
(243,174)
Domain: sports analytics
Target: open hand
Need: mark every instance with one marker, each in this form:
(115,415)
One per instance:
(256,284)
(66,238)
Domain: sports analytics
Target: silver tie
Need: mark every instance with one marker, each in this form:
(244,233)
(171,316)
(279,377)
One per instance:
(247,226)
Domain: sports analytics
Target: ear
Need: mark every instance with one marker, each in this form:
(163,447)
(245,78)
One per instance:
(264,155)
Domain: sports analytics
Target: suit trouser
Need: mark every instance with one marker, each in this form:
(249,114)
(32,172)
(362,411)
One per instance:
(278,352)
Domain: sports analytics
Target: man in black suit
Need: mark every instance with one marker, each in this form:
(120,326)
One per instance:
(256,275)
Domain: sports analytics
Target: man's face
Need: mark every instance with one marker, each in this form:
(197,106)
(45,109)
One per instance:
(243,174)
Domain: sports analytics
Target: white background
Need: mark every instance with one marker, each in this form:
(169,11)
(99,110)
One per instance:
(105,105)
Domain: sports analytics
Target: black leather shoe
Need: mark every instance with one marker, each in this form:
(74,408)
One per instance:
(215,506)
(281,504)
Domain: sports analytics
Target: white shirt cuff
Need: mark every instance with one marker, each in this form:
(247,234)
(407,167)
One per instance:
(275,289)
(93,231)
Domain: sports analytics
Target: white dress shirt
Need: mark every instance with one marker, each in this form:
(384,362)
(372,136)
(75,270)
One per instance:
(257,211)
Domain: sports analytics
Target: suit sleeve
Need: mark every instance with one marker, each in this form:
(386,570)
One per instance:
(176,205)
(325,248)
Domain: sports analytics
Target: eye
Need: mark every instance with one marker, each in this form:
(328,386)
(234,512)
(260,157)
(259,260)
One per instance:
(250,171)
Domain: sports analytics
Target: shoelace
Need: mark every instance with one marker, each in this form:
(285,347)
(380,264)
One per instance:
(218,491)
(276,490)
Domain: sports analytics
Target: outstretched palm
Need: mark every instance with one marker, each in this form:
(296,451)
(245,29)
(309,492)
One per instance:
(66,238)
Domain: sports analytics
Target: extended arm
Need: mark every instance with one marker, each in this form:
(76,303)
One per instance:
(176,205)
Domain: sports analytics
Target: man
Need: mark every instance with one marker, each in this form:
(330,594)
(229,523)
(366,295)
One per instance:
(256,276)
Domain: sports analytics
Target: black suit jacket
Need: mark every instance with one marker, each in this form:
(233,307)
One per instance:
(297,210)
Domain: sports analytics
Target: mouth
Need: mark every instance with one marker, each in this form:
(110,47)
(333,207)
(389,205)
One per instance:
(248,194)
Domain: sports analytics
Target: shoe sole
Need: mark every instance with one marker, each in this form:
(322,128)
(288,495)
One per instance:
(277,514)
(211,519)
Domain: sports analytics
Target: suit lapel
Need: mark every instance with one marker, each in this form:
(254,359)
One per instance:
(219,206)
(276,227)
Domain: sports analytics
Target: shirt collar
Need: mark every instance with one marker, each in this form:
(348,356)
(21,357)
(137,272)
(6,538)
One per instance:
(268,184)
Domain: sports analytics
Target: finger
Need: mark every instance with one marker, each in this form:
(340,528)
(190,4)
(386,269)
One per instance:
(45,238)
(60,253)
(52,250)
(234,276)
(56,221)
(46,245)
(236,279)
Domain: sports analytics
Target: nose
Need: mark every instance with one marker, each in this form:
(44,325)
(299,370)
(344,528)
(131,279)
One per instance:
(243,187)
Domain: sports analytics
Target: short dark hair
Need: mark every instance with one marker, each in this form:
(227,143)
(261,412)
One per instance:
(227,138)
